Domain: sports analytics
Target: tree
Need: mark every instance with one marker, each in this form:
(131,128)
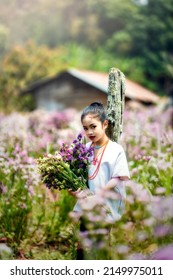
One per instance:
(21,66)
(153,41)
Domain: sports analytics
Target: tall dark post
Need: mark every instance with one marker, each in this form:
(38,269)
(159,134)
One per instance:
(115,103)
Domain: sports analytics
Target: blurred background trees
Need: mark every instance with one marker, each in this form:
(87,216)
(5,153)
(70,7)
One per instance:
(133,35)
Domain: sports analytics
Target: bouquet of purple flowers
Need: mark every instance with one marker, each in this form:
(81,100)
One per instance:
(67,168)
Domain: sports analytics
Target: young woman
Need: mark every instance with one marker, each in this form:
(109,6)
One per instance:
(109,168)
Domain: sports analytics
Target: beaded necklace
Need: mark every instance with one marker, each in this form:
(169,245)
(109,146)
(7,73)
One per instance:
(98,166)
(98,147)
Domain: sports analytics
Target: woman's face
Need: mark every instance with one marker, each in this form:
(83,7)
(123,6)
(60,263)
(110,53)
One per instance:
(94,128)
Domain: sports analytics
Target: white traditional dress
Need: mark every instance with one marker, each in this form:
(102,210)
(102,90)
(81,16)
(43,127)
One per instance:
(113,165)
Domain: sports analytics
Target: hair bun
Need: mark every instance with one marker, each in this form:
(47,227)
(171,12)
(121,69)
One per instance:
(96,104)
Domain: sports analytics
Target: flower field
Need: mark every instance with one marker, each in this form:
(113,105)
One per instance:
(38,223)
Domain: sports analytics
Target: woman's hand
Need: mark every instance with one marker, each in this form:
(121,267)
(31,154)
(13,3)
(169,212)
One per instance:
(81,193)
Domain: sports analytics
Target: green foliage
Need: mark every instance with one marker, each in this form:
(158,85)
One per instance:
(153,39)
(15,197)
(21,66)
(127,30)
(58,225)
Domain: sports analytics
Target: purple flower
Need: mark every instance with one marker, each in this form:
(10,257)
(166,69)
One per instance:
(147,158)
(164,253)
(77,155)
(141,194)
(162,209)
(160,190)
(31,190)
(141,236)
(3,189)
(79,137)
(122,249)
(162,230)
(22,205)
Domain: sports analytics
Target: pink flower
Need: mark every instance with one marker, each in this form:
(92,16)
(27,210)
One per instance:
(122,249)
(162,230)
(147,158)
(134,171)
(164,253)
(31,190)
(3,189)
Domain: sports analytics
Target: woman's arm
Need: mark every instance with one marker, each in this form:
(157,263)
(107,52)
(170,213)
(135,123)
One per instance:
(113,182)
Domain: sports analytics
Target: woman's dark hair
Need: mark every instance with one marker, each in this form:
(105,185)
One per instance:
(96,109)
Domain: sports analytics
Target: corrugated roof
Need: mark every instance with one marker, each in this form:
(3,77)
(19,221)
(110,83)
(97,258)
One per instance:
(100,81)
